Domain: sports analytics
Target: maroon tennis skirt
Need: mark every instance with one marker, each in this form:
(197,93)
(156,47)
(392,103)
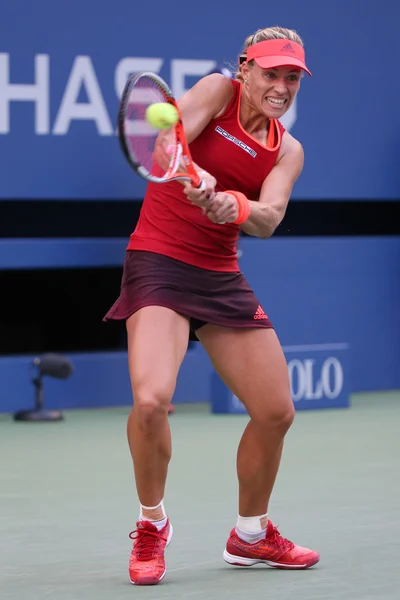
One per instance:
(203,296)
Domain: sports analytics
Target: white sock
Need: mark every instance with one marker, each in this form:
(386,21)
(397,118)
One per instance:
(252,529)
(161,523)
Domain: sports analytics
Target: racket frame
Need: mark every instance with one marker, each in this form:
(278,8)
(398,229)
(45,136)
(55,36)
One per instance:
(182,152)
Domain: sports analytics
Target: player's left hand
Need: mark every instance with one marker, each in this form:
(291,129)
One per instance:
(223,208)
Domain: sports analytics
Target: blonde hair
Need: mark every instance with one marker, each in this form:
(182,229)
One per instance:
(261,35)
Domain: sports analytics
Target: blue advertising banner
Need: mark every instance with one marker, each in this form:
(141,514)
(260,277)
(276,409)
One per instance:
(63,67)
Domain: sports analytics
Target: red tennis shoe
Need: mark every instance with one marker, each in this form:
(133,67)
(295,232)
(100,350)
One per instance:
(147,562)
(274,550)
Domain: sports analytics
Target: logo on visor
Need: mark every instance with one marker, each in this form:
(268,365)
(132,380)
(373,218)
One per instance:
(288,48)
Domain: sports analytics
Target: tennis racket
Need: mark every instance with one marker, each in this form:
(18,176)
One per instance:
(141,143)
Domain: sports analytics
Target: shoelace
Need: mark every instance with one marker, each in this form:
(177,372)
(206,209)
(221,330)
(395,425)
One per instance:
(278,539)
(146,543)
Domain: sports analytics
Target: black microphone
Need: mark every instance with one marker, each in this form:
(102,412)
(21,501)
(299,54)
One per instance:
(54,365)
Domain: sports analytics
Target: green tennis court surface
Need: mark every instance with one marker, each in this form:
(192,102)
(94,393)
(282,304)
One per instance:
(67,505)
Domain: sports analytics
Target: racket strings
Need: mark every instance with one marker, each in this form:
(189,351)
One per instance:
(158,152)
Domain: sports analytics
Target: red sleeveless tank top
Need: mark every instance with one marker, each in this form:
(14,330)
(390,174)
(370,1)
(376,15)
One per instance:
(170,225)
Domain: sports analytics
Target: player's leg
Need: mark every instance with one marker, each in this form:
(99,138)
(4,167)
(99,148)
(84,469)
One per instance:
(252,364)
(157,342)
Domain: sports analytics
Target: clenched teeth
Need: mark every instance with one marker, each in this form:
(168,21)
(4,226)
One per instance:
(279,102)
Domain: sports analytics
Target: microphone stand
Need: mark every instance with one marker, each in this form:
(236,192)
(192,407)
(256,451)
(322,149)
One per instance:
(39,414)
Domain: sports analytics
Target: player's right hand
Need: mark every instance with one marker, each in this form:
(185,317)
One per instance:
(203,195)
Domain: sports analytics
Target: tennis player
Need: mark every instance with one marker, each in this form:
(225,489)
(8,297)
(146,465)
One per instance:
(181,278)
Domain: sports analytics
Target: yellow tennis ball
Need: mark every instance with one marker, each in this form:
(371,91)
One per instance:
(161,115)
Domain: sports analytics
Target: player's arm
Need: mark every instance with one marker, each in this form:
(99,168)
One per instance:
(266,214)
(262,217)
(203,102)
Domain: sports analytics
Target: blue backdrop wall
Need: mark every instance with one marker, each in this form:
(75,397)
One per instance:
(62,70)
(327,293)
(63,66)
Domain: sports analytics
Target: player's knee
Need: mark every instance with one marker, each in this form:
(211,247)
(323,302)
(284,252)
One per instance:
(151,407)
(278,415)
(287,415)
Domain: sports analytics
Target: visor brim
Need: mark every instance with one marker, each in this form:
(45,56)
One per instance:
(269,62)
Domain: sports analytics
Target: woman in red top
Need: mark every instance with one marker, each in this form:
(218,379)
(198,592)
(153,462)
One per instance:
(181,277)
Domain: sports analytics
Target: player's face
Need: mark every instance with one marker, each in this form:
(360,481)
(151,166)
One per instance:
(272,91)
